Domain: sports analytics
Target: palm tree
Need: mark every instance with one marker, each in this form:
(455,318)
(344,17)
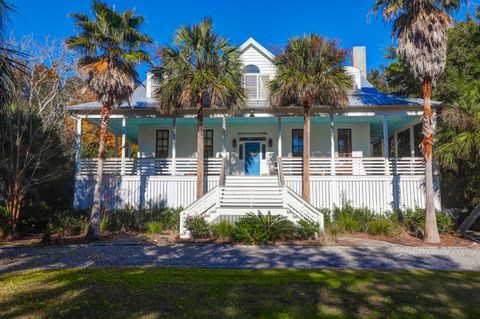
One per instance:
(110,46)
(459,137)
(200,70)
(309,73)
(9,58)
(420,27)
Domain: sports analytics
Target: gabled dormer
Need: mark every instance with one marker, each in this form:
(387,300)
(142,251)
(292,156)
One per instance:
(259,70)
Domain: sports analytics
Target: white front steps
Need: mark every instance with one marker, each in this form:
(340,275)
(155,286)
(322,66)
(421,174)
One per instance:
(250,194)
(247,181)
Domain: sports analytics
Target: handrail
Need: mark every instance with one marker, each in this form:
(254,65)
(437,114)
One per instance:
(309,212)
(281,178)
(222,172)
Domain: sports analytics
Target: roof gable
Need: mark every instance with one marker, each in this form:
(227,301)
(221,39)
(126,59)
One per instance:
(252,43)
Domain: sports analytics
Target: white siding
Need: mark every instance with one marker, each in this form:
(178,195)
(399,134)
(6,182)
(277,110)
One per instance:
(253,56)
(186,141)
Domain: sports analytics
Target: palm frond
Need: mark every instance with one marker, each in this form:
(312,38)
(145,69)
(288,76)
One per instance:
(311,67)
(111,46)
(200,68)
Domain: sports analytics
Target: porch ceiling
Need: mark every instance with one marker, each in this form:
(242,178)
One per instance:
(395,123)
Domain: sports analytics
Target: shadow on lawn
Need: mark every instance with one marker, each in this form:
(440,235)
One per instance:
(226,293)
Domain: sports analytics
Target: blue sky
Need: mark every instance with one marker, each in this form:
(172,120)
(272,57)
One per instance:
(270,22)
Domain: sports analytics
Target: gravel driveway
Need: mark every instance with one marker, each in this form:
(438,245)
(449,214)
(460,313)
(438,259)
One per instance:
(237,256)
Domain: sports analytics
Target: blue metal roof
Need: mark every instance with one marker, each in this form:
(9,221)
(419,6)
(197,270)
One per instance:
(367,96)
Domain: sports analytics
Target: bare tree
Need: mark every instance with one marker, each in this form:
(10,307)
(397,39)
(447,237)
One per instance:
(33,134)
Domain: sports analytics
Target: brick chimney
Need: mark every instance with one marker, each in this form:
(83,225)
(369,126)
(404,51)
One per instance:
(358,59)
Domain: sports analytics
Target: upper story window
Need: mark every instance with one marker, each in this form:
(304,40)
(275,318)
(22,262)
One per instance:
(255,83)
(251,68)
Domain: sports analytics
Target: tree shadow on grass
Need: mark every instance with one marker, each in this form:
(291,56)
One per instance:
(226,293)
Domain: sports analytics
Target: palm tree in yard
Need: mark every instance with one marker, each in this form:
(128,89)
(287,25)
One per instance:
(420,27)
(310,73)
(110,47)
(200,70)
(9,58)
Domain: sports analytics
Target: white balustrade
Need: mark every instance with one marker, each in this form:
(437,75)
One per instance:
(151,166)
(357,166)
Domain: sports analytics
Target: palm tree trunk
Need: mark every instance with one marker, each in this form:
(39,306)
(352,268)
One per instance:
(431,230)
(200,152)
(306,149)
(94,228)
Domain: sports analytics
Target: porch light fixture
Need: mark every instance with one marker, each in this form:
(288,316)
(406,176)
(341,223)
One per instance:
(234,143)
(270,142)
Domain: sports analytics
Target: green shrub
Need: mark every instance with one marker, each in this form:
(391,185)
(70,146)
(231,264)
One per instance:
(169,217)
(381,226)
(223,230)
(6,227)
(154,227)
(70,223)
(333,230)
(351,220)
(348,224)
(307,230)
(261,229)
(130,219)
(104,221)
(197,226)
(414,221)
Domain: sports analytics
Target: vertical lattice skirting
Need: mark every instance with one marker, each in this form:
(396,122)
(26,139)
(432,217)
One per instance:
(379,193)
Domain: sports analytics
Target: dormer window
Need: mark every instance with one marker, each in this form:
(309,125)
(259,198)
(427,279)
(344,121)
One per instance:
(255,83)
(251,68)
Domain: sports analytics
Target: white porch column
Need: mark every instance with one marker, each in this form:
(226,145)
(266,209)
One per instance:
(124,140)
(224,136)
(174,146)
(116,145)
(412,141)
(279,140)
(395,141)
(332,144)
(385,145)
(78,144)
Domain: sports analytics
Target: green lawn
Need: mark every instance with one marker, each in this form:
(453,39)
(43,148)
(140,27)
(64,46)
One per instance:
(219,293)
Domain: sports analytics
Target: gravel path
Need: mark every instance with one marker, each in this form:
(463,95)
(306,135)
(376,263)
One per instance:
(237,256)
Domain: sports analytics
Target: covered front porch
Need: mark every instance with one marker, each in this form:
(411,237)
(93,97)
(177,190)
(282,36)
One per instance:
(262,144)
(364,159)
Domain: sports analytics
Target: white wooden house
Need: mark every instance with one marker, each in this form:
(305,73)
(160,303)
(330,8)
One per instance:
(367,156)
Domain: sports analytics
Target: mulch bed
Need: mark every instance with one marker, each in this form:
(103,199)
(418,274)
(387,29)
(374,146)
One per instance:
(352,240)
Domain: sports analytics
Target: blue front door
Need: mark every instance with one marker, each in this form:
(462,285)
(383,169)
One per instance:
(252,158)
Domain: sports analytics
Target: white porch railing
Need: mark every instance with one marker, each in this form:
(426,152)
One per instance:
(151,166)
(358,166)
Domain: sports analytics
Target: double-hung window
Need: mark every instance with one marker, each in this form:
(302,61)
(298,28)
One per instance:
(161,145)
(345,142)
(208,143)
